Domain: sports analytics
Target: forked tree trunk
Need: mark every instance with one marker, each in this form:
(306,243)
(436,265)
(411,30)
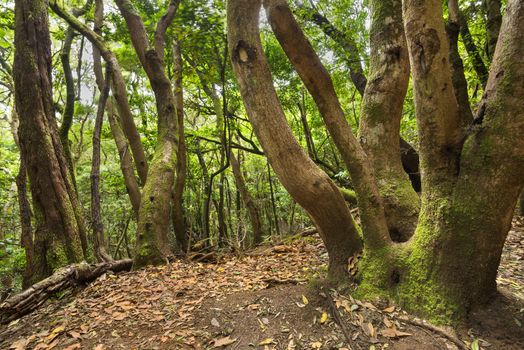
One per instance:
(306,183)
(59,233)
(154,215)
(451,263)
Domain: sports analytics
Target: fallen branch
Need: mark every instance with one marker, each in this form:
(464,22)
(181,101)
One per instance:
(30,299)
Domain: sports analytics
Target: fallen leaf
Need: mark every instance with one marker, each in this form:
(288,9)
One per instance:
(20,344)
(372,331)
(316,345)
(55,333)
(73,347)
(267,341)
(389,309)
(223,342)
(304,300)
(323,318)
(475,345)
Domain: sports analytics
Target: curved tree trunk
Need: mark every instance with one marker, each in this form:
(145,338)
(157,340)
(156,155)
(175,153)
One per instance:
(306,183)
(126,160)
(96,213)
(319,84)
(118,88)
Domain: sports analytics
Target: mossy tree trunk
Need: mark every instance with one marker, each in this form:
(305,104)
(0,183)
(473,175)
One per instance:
(471,177)
(470,189)
(154,215)
(59,236)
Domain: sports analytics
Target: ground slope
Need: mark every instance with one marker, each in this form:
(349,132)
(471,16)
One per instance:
(270,298)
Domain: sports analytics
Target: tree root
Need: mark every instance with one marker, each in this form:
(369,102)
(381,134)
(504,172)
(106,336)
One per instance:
(436,330)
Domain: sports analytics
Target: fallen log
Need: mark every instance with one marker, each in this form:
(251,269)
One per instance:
(30,299)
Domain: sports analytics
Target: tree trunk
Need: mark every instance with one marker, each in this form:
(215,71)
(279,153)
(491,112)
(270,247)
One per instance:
(59,236)
(67,116)
(96,213)
(126,160)
(26,237)
(381,114)
(154,215)
(460,85)
(306,183)
(247,199)
(494,20)
(451,263)
(320,86)
(118,88)
(179,221)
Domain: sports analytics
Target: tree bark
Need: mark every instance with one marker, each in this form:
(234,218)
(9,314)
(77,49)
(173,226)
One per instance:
(381,114)
(306,183)
(59,236)
(494,20)
(450,265)
(179,221)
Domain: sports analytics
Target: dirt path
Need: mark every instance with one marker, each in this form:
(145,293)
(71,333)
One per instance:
(264,300)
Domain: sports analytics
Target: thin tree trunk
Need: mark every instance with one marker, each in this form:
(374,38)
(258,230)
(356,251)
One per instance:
(96,213)
(248,200)
(273,201)
(473,52)
(126,161)
(118,87)
(67,117)
(179,221)
(460,84)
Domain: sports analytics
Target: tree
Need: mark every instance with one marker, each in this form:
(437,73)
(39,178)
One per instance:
(59,236)
(471,177)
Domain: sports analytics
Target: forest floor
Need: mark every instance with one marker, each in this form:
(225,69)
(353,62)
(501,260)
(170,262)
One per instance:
(269,298)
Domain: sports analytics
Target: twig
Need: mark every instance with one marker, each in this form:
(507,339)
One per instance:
(338,321)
